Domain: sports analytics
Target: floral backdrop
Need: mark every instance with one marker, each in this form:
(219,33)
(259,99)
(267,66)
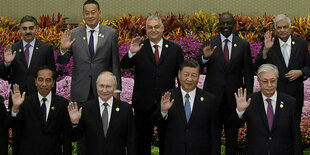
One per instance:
(187,31)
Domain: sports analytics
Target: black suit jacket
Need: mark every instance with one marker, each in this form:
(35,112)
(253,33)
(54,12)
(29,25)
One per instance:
(200,136)
(4,134)
(299,60)
(222,77)
(38,137)
(120,135)
(152,79)
(19,72)
(283,139)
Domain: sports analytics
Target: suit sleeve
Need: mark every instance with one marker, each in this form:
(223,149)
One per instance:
(116,60)
(306,69)
(127,62)
(50,59)
(296,129)
(180,60)
(215,129)
(66,132)
(131,141)
(248,69)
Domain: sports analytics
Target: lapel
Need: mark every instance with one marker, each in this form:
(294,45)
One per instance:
(196,105)
(261,110)
(35,53)
(83,36)
(234,50)
(219,51)
(278,51)
(164,51)
(101,38)
(178,100)
(149,51)
(114,116)
(293,51)
(20,53)
(278,112)
(53,110)
(35,103)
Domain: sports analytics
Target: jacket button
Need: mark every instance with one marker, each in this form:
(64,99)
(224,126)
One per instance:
(270,138)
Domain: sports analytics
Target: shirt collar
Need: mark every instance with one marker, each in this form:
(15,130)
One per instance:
(288,42)
(109,101)
(160,43)
(229,38)
(96,28)
(191,93)
(31,43)
(48,97)
(273,97)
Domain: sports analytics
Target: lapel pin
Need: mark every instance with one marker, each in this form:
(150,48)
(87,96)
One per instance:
(201,99)
(37,48)
(235,45)
(281,105)
(84,38)
(166,46)
(117,109)
(53,108)
(101,35)
(293,42)
(20,50)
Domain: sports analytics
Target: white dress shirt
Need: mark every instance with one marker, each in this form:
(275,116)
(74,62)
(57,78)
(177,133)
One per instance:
(109,106)
(95,35)
(288,45)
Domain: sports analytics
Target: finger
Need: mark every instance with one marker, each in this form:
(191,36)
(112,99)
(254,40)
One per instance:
(14,53)
(80,110)
(214,48)
(141,45)
(236,96)
(23,96)
(73,40)
(249,101)
(172,101)
(244,92)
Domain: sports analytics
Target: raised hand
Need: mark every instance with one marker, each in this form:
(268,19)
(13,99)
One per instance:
(135,45)
(165,102)
(66,41)
(206,48)
(17,98)
(8,54)
(268,42)
(241,101)
(74,112)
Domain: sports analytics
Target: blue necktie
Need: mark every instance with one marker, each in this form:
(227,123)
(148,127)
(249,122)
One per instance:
(187,107)
(43,108)
(91,44)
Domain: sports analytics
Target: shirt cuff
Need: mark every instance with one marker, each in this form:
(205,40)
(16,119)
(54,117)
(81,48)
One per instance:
(117,91)
(204,60)
(240,114)
(7,64)
(164,115)
(13,114)
(130,54)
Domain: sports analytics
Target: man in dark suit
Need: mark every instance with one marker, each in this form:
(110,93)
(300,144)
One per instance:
(290,54)
(156,61)
(271,118)
(229,67)
(42,118)
(22,59)
(106,123)
(189,116)
(4,134)
(94,48)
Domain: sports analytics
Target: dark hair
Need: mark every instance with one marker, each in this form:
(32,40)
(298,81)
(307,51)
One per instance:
(28,19)
(91,2)
(190,63)
(43,67)
(227,13)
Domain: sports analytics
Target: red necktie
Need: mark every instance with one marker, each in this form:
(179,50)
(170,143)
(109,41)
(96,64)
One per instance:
(226,52)
(156,53)
(27,53)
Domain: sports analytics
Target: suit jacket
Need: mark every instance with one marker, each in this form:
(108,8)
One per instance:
(200,136)
(86,69)
(18,70)
(4,134)
(299,60)
(222,77)
(120,134)
(152,79)
(283,139)
(39,137)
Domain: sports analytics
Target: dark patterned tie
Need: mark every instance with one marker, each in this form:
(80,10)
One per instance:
(104,118)
(226,51)
(27,53)
(91,44)
(269,113)
(43,108)
(156,53)
(187,107)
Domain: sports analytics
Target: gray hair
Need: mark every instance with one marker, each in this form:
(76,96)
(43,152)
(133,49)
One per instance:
(267,68)
(281,17)
(107,73)
(154,17)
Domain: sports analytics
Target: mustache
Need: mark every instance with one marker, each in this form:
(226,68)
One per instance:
(28,34)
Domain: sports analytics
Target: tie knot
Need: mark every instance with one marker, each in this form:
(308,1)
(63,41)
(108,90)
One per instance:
(187,96)
(155,46)
(226,40)
(92,31)
(44,100)
(268,100)
(28,45)
(105,105)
